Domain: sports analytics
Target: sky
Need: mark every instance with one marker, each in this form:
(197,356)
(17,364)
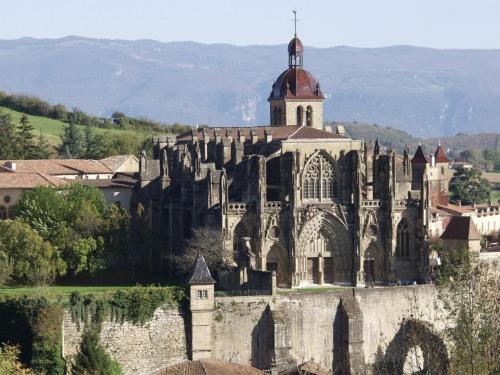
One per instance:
(322,23)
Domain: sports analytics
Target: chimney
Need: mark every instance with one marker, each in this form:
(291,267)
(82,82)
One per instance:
(459,203)
(11,165)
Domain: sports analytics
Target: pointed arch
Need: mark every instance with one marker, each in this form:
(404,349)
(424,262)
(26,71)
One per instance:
(403,242)
(319,178)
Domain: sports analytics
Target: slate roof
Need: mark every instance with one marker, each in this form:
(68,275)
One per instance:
(277,132)
(461,228)
(420,157)
(200,273)
(209,367)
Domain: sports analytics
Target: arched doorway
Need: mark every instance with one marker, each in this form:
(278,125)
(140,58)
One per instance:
(324,251)
(373,266)
(276,261)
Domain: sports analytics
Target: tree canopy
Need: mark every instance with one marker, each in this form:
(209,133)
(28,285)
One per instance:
(469,187)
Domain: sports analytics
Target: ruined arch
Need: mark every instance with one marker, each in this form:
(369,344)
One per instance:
(325,250)
(240,230)
(413,334)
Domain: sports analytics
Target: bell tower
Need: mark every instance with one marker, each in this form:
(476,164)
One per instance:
(296,97)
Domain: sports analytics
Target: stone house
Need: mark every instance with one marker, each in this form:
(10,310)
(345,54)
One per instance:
(315,206)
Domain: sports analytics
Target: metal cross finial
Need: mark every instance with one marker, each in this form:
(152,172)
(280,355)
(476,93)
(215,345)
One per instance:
(295,21)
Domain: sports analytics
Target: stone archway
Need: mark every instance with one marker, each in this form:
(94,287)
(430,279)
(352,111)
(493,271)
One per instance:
(276,261)
(415,349)
(324,251)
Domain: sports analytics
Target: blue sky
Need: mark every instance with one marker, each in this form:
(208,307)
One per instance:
(322,23)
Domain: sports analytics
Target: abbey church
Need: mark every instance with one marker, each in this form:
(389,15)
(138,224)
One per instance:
(310,204)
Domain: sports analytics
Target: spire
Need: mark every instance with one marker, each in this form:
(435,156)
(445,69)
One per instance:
(376,148)
(295,47)
(200,273)
(295,22)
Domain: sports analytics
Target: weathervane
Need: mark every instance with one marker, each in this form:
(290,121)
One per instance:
(295,21)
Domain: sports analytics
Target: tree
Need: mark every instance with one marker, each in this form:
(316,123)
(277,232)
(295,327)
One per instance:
(93,145)
(209,243)
(25,143)
(71,141)
(92,358)
(36,261)
(9,361)
(76,221)
(470,300)
(7,137)
(468,187)
(42,148)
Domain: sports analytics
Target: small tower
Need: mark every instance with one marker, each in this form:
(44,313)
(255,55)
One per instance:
(201,292)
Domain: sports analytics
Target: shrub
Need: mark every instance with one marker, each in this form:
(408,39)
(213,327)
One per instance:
(9,362)
(6,268)
(92,358)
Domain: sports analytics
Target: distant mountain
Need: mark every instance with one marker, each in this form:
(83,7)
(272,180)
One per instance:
(426,92)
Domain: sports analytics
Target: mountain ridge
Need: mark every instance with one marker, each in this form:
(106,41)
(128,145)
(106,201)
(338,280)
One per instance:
(428,92)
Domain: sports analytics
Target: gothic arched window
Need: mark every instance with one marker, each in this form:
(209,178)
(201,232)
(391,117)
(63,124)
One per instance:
(300,115)
(403,240)
(319,179)
(309,116)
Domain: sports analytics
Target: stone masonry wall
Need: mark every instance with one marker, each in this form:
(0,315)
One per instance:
(140,350)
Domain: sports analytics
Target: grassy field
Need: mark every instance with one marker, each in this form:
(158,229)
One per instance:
(56,291)
(52,129)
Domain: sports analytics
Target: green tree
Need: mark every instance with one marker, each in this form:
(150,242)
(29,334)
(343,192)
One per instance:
(70,145)
(7,137)
(36,261)
(469,187)
(42,147)
(93,145)
(470,300)
(25,142)
(92,358)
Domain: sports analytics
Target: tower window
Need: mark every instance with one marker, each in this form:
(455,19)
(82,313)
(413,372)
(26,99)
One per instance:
(300,115)
(309,116)
(202,294)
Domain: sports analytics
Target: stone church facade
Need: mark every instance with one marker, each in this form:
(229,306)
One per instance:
(312,205)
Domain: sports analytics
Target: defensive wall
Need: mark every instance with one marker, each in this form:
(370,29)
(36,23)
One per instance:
(346,330)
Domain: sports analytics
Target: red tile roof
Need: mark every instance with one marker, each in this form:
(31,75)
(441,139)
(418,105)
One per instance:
(29,180)
(461,228)
(296,83)
(56,167)
(209,367)
(440,155)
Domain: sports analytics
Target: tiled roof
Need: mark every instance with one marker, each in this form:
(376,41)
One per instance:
(461,228)
(200,273)
(296,83)
(28,180)
(278,133)
(420,157)
(56,167)
(209,367)
(454,209)
(440,155)
(115,162)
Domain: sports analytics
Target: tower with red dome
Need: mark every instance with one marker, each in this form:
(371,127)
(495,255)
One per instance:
(296,97)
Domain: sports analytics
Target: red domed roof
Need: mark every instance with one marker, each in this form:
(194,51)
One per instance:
(295,47)
(296,83)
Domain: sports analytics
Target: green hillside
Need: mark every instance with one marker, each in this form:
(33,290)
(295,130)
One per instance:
(52,129)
